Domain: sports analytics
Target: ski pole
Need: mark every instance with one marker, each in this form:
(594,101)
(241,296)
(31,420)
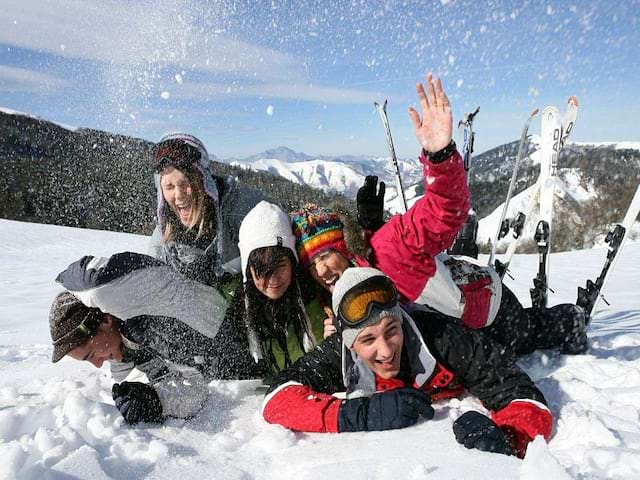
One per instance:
(467,137)
(382,111)
(514,175)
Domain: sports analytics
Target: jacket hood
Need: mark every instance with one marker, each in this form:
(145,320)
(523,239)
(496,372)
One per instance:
(203,167)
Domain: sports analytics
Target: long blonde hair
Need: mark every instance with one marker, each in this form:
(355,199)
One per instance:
(202,209)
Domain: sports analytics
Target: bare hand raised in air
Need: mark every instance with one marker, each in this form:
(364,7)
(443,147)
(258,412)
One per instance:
(433,130)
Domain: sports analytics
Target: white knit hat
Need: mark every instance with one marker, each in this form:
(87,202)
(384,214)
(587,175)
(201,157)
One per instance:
(266,225)
(349,279)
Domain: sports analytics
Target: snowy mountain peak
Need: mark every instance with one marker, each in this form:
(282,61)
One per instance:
(281,153)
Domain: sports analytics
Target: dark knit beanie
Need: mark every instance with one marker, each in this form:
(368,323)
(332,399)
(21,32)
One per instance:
(71,323)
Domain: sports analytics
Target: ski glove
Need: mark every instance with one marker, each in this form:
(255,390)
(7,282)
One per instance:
(370,205)
(137,402)
(474,430)
(389,410)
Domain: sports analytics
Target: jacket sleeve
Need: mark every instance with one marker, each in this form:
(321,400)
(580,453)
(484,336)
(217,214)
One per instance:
(155,248)
(181,394)
(405,246)
(128,285)
(300,397)
(182,390)
(482,367)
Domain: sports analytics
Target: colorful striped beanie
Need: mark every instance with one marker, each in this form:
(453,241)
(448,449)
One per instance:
(317,230)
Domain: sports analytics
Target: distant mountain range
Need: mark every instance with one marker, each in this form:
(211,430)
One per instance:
(595,181)
(343,174)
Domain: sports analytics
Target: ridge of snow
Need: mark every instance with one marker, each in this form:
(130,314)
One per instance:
(59,421)
(9,111)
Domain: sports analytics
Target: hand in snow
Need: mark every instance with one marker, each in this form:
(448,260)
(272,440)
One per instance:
(137,402)
(388,410)
(433,131)
(474,430)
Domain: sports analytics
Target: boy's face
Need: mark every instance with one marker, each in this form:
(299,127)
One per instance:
(106,344)
(380,347)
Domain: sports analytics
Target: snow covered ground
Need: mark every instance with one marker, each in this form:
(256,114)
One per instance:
(59,422)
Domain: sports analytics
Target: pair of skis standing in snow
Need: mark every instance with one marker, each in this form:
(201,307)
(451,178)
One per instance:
(554,133)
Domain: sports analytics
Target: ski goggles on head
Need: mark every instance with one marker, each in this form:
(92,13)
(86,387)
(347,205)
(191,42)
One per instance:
(358,303)
(174,153)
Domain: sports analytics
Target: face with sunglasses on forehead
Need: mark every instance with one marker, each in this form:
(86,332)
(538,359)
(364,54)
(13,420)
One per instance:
(180,183)
(371,324)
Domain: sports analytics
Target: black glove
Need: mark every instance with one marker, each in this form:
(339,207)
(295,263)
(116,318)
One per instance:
(137,402)
(370,205)
(474,430)
(384,411)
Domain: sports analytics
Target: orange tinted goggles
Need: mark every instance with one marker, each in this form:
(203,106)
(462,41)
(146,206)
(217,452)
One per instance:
(357,303)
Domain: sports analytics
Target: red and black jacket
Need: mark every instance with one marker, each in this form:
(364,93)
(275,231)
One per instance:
(301,397)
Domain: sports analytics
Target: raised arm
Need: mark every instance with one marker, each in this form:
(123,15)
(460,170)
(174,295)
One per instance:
(405,246)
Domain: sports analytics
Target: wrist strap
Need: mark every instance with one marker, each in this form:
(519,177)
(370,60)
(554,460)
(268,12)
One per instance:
(441,155)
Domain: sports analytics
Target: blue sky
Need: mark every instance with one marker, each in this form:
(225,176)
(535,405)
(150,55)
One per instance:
(247,76)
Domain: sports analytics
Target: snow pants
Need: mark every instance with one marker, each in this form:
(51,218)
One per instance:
(524,330)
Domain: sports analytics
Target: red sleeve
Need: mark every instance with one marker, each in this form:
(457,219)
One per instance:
(299,408)
(405,246)
(522,421)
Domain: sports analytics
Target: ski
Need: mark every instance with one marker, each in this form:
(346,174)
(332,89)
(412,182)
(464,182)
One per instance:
(465,241)
(382,111)
(502,266)
(503,228)
(550,137)
(591,294)
(554,134)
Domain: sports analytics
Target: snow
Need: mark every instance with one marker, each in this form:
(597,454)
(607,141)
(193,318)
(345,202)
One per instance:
(58,421)
(9,111)
(616,145)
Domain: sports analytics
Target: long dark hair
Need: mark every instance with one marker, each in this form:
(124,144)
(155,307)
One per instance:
(270,319)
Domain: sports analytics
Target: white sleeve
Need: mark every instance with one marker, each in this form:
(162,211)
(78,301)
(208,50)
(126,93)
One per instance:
(158,291)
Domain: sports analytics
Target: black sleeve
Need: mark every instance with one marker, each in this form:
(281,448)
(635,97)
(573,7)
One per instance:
(225,357)
(81,275)
(481,365)
(319,369)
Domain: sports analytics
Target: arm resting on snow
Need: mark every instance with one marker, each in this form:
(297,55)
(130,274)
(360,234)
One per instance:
(300,397)
(522,421)
(481,365)
(181,394)
(297,407)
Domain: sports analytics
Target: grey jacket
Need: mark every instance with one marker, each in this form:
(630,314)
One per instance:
(209,263)
(173,328)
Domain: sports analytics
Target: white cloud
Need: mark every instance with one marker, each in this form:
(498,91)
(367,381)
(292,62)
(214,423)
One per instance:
(292,91)
(139,45)
(129,33)
(14,79)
